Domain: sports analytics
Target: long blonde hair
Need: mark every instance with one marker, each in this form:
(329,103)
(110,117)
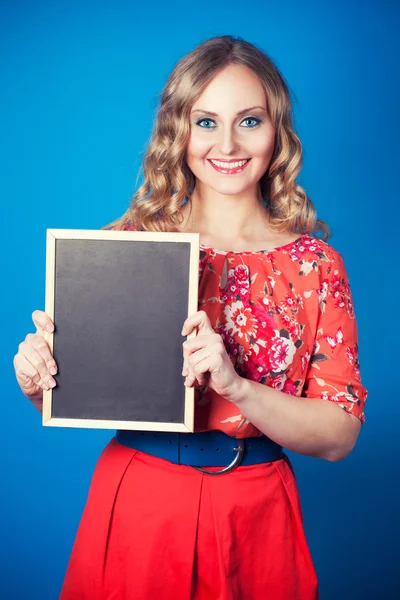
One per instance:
(168,181)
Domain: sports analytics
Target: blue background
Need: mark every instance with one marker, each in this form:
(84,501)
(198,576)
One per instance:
(79,90)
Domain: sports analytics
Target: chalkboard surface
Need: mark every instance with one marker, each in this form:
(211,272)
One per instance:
(118,300)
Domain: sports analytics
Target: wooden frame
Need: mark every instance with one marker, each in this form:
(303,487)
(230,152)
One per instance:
(76,262)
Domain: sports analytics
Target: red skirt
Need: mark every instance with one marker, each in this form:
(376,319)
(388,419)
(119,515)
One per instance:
(153,530)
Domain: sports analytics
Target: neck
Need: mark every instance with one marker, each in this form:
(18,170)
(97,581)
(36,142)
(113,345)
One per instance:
(221,215)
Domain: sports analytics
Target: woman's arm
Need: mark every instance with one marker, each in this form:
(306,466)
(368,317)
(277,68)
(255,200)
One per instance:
(309,426)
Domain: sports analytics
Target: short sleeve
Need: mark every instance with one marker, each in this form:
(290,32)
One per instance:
(334,372)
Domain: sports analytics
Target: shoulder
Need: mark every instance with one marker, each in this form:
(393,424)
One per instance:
(317,246)
(313,254)
(334,291)
(117,226)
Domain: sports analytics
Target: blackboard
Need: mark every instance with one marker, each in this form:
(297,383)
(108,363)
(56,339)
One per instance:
(118,300)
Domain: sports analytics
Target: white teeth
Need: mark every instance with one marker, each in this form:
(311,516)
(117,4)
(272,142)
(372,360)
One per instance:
(231,165)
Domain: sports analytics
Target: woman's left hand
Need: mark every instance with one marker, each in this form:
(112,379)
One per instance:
(206,360)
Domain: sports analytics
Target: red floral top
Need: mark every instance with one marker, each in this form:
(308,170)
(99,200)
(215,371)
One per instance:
(287,320)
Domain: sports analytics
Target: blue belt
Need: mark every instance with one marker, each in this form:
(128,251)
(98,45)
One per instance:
(208,448)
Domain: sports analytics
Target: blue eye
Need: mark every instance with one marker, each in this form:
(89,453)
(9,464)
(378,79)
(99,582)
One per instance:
(201,121)
(255,120)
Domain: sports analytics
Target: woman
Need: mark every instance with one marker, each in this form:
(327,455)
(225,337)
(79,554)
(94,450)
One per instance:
(274,361)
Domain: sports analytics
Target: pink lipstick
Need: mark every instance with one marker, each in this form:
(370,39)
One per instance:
(229,171)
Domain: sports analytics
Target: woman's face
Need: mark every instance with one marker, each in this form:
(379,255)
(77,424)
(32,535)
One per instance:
(230,123)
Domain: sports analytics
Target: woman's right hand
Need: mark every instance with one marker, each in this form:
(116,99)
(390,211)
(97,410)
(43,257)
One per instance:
(34,364)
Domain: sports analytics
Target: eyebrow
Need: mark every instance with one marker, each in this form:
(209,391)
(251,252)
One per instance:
(241,112)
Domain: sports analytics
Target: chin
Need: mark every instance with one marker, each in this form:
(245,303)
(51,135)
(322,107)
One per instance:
(229,189)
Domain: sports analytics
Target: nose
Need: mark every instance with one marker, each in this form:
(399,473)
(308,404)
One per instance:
(227,144)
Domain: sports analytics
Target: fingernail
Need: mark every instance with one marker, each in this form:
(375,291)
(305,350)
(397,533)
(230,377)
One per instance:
(49,328)
(53,371)
(51,383)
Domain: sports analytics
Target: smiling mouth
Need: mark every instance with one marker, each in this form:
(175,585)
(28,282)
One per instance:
(229,166)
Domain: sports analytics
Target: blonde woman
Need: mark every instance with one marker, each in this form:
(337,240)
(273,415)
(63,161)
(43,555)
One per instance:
(216,514)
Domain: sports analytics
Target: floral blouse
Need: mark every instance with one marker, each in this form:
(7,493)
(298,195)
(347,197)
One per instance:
(287,320)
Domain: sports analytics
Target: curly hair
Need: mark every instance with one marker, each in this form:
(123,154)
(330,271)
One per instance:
(168,181)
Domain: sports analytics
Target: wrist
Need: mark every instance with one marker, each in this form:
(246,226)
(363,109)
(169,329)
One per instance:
(240,390)
(37,401)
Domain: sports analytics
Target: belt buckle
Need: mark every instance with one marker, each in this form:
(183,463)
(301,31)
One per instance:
(235,463)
